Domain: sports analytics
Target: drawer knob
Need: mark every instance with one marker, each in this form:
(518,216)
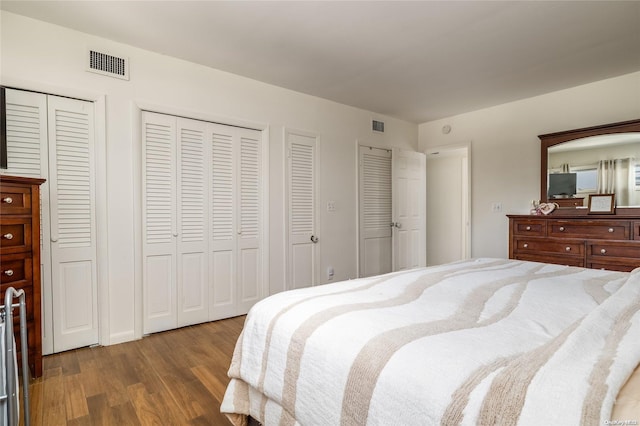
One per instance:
(528,228)
(7,200)
(610,229)
(561,228)
(603,251)
(525,245)
(8,236)
(8,272)
(567,248)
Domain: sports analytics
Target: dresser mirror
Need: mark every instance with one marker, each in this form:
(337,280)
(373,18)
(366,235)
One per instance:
(600,159)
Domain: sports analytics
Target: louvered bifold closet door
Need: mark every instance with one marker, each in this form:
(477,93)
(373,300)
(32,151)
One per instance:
(236,220)
(249,263)
(375,211)
(224,225)
(73,230)
(193,208)
(28,155)
(301,178)
(159,212)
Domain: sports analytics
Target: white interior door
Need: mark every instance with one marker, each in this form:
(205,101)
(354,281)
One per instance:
(53,138)
(28,155)
(375,210)
(448,206)
(192,209)
(236,220)
(249,204)
(409,209)
(223,224)
(73,222)
(302,236)
(159,228)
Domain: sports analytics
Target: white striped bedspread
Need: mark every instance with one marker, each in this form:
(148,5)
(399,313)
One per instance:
(484,341)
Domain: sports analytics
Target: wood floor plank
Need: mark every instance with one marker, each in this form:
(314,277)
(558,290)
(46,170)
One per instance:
(54,405)
(176,377)
(75,399)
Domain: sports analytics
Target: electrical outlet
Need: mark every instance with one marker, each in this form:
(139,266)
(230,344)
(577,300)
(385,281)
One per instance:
(330,273)
(331,206)
(496,207)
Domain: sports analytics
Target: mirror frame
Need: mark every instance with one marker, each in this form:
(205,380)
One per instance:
(552,139)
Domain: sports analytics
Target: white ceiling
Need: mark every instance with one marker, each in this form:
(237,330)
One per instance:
(418,60)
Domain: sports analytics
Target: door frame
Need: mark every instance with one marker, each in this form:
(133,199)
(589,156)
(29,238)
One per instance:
(317,225)
(102,250)
(430,152)
(137,106)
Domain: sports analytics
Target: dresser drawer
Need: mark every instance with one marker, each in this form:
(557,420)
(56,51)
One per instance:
(626,249)
(15,199)
(15,235)
(557,259)
(610,230)
(531,227)
(567,247)
(16,270)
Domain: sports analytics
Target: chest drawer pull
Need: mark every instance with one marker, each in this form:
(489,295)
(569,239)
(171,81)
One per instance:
(610,229)
(8,272)
(561,228)
(528,228)
(525,245)
(603,251)
(567,248)
(7,200)
(8,236)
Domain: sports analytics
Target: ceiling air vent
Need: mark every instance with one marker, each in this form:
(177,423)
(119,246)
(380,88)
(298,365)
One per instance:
(105,64)
(377,126)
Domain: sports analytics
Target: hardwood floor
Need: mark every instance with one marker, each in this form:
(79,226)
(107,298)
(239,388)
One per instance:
(175,377)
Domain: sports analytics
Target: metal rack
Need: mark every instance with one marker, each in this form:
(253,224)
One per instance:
(9,400)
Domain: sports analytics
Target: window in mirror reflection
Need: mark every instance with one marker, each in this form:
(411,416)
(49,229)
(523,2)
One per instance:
(603,165)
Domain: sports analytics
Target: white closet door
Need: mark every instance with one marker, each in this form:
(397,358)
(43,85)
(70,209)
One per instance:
(193,208)
(248,241)
(375,211)
(236,226)
(159,222)
(222,257)
(27,148)
(73,230)
(301,188)
(409,209)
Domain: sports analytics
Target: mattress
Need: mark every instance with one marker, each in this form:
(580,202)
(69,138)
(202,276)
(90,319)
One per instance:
(485,341)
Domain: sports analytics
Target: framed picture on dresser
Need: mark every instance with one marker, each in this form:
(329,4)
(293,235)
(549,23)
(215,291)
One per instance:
(602,204)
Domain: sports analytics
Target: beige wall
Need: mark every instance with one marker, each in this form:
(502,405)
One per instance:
(49,58)
(505,149)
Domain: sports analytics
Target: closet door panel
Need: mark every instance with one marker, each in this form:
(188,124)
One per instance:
(223,222)
(73,232)
(193,207)
(250,221)
(159,222)
(28,155)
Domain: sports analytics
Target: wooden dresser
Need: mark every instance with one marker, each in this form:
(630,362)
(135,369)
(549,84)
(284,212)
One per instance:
(577,239)
(20,255)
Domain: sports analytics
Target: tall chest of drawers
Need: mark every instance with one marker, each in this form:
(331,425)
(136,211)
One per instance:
(20,255)
(605,242)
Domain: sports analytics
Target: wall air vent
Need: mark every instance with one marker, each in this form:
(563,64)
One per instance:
(377,126)
(106,64)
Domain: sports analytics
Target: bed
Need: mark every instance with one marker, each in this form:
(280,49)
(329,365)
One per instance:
(483,341)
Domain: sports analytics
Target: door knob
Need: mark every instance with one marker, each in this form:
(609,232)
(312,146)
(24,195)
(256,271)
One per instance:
(314,239)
